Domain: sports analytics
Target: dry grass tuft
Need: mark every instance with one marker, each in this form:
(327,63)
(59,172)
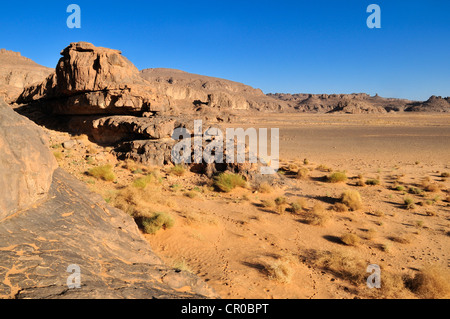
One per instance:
(340,208)
(158,221)
(103,172)
(351,239)
(318,216)
(352,199)
(177,170)
(302,173)
(337,177)
(265,188)
(226,182)
(432,282)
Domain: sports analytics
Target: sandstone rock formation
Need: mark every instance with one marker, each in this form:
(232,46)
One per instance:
(75,227)
(50,221)
(92,80)
(433,104)
(192,91)
(341,103)
(17,72)
(26,165)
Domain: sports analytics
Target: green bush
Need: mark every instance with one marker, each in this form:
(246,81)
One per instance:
(103,172)
(337,177)
(160,220)
(226,182)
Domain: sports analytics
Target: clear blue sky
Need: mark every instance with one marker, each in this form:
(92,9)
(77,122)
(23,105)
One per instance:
(279,46)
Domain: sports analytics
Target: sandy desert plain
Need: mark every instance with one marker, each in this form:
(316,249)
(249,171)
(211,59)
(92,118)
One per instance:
(297,239)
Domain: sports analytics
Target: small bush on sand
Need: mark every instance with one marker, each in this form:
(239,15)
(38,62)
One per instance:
(340,208)
(281,202)
(352,199)
(298,206)
(337,177)
(303,173)
(143,182)
(226,182)
(58,155)
(399,188)
(445,174)
(415,191)
(432,187)
(373,182)
(103,172)
(351,239)
(160,220)
(177,170)
(265,188)
(268,203)
(409,203)
(400,240)
(279,270)
(432,282)
(317,216)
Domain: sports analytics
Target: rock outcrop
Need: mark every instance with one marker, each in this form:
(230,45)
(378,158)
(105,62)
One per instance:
(341,103)
(51,225)
(17,72)
(188,91)
(26,165)
(433,104)
(92,80)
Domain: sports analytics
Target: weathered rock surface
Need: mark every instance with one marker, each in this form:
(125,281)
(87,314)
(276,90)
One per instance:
(341,103)
(92,80)
(188,92)
(26,165)
(17,72)
(433,104)
(75,227)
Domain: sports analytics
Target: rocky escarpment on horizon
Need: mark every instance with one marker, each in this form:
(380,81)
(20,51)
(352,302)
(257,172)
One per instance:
(17,72)
(50,226)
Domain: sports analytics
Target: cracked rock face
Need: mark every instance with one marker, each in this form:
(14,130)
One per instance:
(26,165)
(75,227)
(93,80)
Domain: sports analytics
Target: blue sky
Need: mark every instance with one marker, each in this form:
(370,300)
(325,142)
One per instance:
(278,46)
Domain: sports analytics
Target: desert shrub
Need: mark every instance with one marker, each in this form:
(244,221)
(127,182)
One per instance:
(378,213)
(337,177)
(409,203)
(103,172)
(432,282)
(177,170)
(340,207)
(400,239)
(303,173)
(159,220)
(352,199)
(268,203)
(399,188)
(280,202)
(143,182)
(191,194)
(279,270)
(445,174)
(373,182)
(342,265)
(305,161)
(265,188)
(298,206)
(351,239)
(415,190)
(58,155)
(360,182)
(226,182)
(317,217)
(432,188)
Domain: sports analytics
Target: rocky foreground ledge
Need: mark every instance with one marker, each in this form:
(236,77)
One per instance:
(68,225)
